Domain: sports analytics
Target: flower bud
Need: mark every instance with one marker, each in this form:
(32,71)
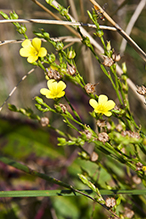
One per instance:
(59,46)
(124,68)
(71,54)
(103,137)
(94,156)
(141,90)
(52,73)
(64,12)
(116,57)
(108,47)
(61,108)
(44,121)
(139,166)
(21,29)
(13,15)
(107,61)
(46,35)
(128,213)
(51,58)
(61,141)
(5,16)
(71,70)
(90,88)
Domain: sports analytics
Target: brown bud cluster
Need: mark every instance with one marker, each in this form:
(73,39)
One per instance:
(116,57)
(107,61)
(128,213)
(139,166)
(110,202)
(136,179)
(87,133)
(63,107)
(103,137)
(131,134)
(53,74)
(119,128)
(103,124)
(90,88)
(141,90)
(44,121)
(71,70)
(94,156)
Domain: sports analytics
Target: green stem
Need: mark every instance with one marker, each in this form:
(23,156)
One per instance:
(32,172)
(75,113)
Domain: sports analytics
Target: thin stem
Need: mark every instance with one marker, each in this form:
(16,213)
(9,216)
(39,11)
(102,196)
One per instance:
(76,114)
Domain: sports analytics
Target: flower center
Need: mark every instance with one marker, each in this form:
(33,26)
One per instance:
(101,108)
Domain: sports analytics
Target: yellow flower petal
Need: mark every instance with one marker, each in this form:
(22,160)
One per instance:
(36,43)
(44,91)
(24,52)
(42,52)
(49,82)
(93,103)
(61,85)
(107,113)
(110,104)
(32,59)
(102,98)
(26,43)
(60,94)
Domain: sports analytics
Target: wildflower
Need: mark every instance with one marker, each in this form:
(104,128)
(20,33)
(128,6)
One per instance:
(144,168)
(32,50)
(56,90)
(103,105)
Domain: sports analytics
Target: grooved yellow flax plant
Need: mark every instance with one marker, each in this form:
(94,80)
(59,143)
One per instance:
(56,89)
(103,106)
(32,50)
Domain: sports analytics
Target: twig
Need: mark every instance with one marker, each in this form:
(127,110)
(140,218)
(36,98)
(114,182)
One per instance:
(66,23)
(121,31)
(55,16)
(22,79)
(131,23)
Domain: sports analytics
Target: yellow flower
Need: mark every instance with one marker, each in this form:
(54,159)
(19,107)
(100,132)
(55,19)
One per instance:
(144,168)
(56,89)
(103,105)
(32,50)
